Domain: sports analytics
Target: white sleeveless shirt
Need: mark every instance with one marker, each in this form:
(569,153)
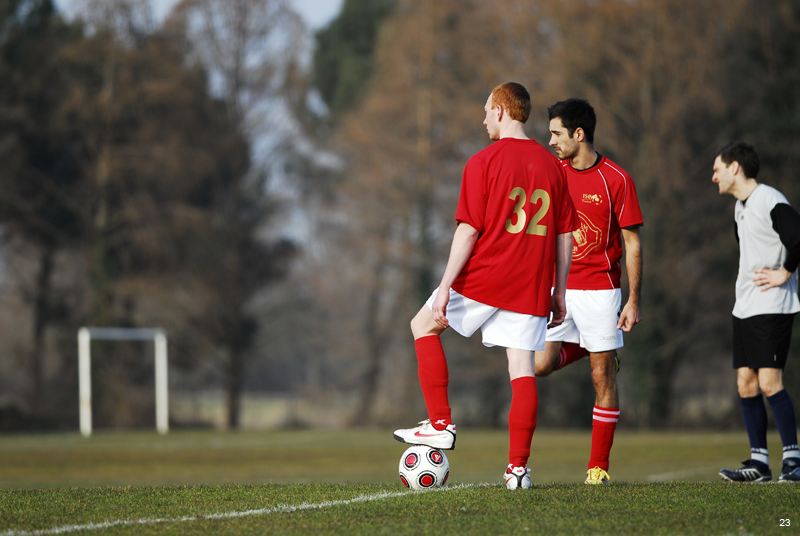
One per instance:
(761,247)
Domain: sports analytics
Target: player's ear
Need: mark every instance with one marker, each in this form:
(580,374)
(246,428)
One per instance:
(579,134)
(735,168)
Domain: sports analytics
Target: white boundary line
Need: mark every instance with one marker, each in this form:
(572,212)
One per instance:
(282,509)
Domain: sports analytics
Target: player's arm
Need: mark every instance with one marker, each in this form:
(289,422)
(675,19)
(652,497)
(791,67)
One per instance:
(558,304)
(631,314)
(786,222)
(463,242)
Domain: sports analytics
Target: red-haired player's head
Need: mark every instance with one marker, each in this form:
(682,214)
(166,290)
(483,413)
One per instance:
(507,109)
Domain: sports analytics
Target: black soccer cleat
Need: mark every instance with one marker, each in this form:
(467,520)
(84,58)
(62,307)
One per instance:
(751,472)
(790,471)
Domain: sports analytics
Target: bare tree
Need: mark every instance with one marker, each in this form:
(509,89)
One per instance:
(249,48)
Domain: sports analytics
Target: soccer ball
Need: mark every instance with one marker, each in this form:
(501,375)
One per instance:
(422,467)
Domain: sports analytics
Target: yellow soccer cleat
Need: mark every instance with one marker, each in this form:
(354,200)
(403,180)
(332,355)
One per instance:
(597,476)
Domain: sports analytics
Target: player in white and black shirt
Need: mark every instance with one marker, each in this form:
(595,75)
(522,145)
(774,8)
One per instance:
(768,232)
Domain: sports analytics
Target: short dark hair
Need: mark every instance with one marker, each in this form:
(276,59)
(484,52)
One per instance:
(574,114)
(745,154)
(514,99)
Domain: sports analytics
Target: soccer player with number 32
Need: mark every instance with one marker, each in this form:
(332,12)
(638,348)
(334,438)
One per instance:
(514,238)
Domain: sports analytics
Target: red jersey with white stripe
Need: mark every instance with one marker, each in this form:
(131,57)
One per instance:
(515,194)
(605,198)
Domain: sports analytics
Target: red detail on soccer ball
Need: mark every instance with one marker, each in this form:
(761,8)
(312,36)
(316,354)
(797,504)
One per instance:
(427,480)
(405,482)
(446,476)
(411,461)
(436,457)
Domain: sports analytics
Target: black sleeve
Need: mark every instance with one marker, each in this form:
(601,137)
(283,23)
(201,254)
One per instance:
(786,222)
(736,231)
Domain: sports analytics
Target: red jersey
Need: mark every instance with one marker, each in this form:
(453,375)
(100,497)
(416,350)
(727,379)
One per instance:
(515,194)
(605,198)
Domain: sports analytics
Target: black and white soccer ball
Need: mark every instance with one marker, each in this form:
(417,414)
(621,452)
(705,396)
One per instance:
(423,467)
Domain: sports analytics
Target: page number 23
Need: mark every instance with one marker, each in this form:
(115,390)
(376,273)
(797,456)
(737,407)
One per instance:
(786,523)
(521,197)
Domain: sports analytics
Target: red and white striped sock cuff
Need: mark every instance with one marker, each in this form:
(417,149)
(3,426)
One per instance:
(605,414)
(562,359)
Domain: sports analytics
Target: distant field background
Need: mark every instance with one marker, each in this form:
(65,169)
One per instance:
(347,456)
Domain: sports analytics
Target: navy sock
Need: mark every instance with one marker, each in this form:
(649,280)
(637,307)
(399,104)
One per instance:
(783,413)
(755,421)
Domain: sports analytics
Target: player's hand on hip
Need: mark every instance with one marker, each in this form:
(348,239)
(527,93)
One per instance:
(629,317)
(439,307)
(768,278)
(558,306)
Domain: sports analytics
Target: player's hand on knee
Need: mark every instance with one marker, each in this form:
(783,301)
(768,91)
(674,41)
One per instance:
(439,308)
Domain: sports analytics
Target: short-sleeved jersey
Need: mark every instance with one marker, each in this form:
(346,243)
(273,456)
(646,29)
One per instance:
(605,199)
(760,246)
(515,194)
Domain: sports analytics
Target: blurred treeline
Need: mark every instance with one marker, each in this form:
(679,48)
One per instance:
(283,217)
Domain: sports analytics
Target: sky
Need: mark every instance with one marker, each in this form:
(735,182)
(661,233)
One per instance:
(316,13)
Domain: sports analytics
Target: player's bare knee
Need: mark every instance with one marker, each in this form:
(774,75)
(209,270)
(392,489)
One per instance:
(748,387)
(543,369)
(417,325)
(603,368)
(770,388)
(423,325)
(547,359)
(413,325)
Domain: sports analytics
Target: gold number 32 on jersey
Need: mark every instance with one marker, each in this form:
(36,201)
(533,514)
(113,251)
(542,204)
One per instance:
(520,196)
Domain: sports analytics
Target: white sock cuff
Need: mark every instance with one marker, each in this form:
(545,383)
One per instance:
(791,451)
(759,455)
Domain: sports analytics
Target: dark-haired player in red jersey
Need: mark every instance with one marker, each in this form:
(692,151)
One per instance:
(605,198)
(514,236)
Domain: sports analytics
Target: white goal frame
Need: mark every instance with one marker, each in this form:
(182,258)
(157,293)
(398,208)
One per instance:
(85,336)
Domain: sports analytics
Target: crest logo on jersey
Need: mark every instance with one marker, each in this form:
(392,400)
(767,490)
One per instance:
(586,238)
(593,198)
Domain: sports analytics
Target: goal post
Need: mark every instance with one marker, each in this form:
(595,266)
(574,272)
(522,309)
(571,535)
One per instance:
(158,336)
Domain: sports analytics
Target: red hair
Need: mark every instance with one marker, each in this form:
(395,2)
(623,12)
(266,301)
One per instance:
(514,99)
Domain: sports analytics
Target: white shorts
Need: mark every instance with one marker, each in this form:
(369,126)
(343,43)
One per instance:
(591,321)
(498,326)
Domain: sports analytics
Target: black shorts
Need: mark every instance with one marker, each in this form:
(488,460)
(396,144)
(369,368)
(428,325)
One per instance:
(762,341)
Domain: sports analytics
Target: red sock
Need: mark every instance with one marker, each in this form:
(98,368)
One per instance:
(570,352)
(522,419)
(604,422)
(433,377)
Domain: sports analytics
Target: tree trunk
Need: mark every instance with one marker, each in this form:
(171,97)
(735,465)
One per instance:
(234,386)
(41,317)
(376,344)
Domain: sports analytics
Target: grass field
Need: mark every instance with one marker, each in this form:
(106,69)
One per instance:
(345,482)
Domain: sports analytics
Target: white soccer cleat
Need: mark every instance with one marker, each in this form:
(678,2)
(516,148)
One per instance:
(426,434)
(517,477)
